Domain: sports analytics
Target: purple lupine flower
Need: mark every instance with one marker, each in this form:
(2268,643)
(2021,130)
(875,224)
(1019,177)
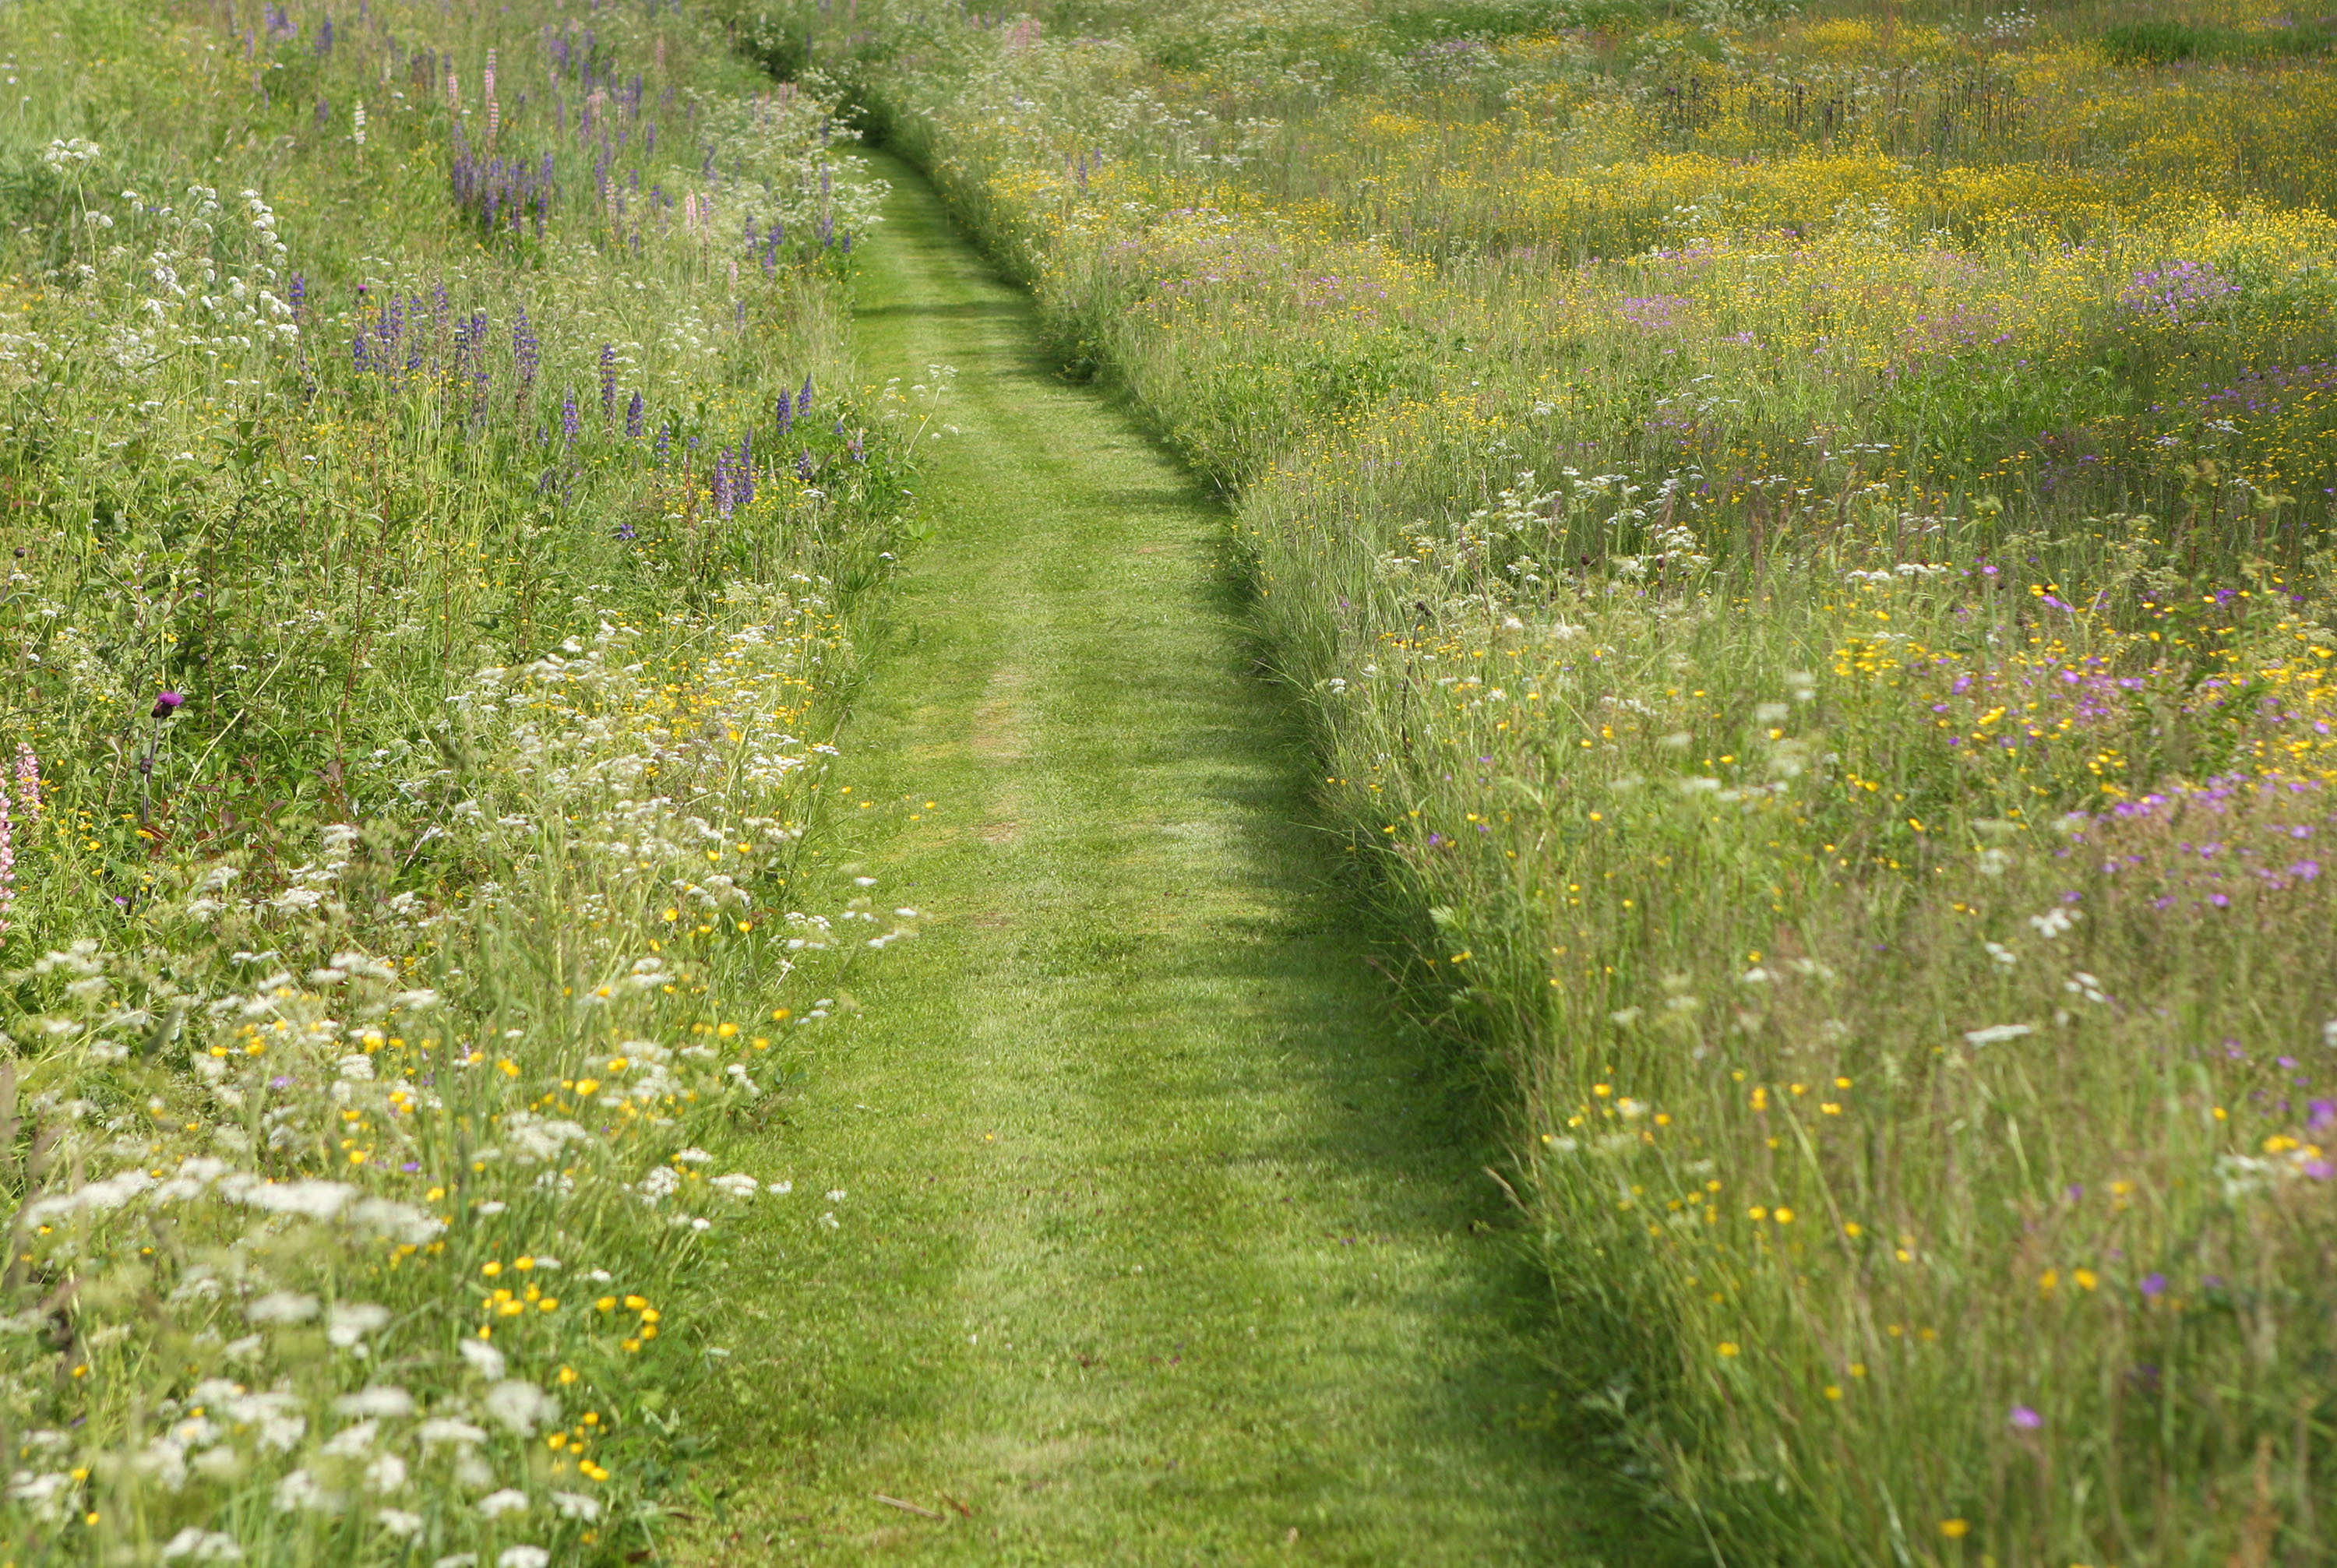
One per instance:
(525,353)
(664,443)
(857,448)
(633,418)
(624,532)
(608,382)
(804,468)
(722,496)
(786,418)
(297,294)
(803,398)
(568,418)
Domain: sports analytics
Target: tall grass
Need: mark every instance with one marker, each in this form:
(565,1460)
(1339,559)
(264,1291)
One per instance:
(1808,537)
(439,511)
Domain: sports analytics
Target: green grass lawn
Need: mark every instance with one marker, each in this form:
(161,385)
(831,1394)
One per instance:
(1158,1238)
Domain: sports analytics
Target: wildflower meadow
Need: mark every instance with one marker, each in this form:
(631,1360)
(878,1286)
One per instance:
(1804,533)
(440,517)
(1796,541)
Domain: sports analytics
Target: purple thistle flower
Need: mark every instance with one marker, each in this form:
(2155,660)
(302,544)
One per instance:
(168,703)
(2026,1419)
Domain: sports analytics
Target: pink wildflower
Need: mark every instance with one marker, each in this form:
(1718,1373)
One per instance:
(28,778)
(7,863)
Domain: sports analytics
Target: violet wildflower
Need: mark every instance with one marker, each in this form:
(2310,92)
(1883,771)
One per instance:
(803,398)
(608,382)
(2026,1419)
(804,466)
(633,418)
(2154,1285)
(2179,289)
(568,421)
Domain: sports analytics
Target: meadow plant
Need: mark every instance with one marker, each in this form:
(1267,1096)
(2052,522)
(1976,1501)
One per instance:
(1807,539)
(405,878)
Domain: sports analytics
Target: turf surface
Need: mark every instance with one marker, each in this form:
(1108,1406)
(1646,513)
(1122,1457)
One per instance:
(1161,1241)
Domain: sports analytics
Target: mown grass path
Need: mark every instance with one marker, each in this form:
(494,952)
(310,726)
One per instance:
(1161,1242)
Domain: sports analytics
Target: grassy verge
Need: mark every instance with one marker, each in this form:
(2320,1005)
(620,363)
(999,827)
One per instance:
(437,535)
(1811,558)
